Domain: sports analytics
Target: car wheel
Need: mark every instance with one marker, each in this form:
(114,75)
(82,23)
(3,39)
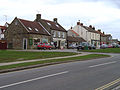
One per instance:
(44,48)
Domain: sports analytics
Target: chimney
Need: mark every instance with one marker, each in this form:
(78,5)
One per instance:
(55,20)
(38,17)
(93,28)
(103,32)
(90,26)
(81,24)
(78,23)
(99,30)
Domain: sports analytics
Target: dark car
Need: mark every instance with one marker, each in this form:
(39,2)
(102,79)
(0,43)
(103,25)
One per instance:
(80,47)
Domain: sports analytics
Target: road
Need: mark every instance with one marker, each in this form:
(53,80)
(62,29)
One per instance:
(96,74)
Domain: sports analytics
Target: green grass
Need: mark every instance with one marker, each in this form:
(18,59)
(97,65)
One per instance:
(107,50)
(86,57)
(11,56)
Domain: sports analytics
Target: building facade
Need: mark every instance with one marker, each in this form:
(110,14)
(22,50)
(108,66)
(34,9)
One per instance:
(58,33)
(25,34)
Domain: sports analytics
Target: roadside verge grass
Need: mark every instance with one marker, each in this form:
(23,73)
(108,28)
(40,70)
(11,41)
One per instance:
(12,56)
(107,50)
(78,58)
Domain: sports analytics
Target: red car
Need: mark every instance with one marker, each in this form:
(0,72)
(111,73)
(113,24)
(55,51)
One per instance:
(44,46)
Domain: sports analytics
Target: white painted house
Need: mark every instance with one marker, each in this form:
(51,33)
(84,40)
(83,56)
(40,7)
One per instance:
(88,33)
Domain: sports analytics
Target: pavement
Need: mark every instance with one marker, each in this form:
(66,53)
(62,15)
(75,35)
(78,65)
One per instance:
(96,74)
(66,50)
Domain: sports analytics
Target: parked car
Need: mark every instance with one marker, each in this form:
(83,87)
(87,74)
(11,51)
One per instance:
(80,47)
(73,46)
(44,46)
(93,46)
(103,46)
(85,46)
(110,46)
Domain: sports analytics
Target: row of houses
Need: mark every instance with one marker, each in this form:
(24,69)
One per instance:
(25,34)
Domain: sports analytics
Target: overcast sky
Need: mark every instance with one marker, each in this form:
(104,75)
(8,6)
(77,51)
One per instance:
(103,14)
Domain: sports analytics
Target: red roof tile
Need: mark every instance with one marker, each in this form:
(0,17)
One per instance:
(54,26)
(35,27)
(75,33)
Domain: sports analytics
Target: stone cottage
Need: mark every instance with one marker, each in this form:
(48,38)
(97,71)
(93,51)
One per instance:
(24,34)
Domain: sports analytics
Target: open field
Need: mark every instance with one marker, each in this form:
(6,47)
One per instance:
(107,50)
(11,56)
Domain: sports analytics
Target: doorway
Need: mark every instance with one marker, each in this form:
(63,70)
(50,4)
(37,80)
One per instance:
(25,43)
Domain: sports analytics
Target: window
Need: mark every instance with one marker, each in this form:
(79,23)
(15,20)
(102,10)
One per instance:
(57,25)
(36,29)
(63,35)
(54,34)
(29,28)
(48,23)
(58,34)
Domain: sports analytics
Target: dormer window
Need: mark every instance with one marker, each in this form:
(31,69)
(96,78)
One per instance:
(30,28)
(36,29)
(57,25)
(48,23)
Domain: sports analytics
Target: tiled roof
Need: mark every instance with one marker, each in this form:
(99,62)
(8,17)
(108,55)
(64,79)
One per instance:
(33,27)
(75,39)
(3,27)
(53,25)
(101,33)
(74,32)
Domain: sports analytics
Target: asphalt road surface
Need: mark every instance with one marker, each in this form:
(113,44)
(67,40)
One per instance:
(96,74)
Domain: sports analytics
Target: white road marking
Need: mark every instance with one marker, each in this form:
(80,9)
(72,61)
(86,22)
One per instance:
(103,64)
(33,79)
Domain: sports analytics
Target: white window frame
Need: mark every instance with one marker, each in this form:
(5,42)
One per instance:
(58,34)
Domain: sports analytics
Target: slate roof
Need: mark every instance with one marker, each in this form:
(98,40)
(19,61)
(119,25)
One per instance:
(90,29)
(75,39)
(33,27)
(54,26)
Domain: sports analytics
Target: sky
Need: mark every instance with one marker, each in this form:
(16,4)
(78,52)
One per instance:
(102,14)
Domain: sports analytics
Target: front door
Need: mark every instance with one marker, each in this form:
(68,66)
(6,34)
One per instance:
(24,43)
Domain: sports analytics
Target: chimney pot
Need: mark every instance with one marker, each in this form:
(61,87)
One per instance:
(55,20)
(38,17)
(81,24)
(103,32)
(78,23)
(93,28)
(99,30)
(90,26)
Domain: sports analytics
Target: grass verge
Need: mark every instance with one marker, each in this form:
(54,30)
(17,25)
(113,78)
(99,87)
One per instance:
(78,58)
(107,50)
(12,56)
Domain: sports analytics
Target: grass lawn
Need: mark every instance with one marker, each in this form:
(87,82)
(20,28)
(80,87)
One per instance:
(107,50)
(11,56)
(86,57)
